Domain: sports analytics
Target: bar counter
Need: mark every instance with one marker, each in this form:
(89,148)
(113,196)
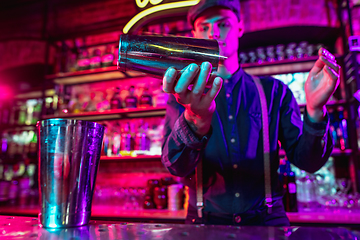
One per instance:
(344,218)
(29,228)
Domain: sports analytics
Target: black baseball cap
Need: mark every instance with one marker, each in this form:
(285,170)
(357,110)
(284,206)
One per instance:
(197,9)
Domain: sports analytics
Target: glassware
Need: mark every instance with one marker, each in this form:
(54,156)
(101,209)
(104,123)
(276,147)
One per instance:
(95,60)
(155,54)
(107,58)
(69,158)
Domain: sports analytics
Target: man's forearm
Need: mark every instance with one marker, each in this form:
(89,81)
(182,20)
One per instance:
(199,126)
(316,115)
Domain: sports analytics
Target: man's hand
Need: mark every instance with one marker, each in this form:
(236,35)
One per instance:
(199,107)
(320,85)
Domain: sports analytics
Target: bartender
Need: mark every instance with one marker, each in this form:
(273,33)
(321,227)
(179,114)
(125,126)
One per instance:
(222,128)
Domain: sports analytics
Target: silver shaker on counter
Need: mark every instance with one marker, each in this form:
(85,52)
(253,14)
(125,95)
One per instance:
(69,154)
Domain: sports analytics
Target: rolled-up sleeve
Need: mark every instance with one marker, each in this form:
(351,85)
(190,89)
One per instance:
(181,149)
(308,145)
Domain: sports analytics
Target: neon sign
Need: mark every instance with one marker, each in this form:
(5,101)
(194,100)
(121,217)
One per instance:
(154,9)
(143,3)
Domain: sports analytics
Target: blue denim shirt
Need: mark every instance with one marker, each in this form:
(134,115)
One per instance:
(232,152)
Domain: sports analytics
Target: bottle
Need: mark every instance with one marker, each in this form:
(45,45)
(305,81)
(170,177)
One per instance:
(24,109)
(344,144)
(115,101)
(105,142)
(145,99)
(95,60)
(66,99)
(17,110)
(142,139)
(58,98)
(116,143)
(108,57)
(333,127)
(83,62)
(49,106)
(102,102)
(91,105)
(160,97)
(131,99)
(127,141)
(30,105)
(289,185)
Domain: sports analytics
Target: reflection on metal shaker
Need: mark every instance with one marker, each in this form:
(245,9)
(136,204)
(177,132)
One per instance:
(68,163)
(155,54)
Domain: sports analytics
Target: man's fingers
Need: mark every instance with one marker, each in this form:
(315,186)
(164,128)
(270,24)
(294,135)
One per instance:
(322,62)
(169,80)
(333,75)
(326,54)
(186,78)
(330,63)
(200,83)
(213,92)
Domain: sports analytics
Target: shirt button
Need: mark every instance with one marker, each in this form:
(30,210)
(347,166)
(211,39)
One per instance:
(235,166)
(237,219)
(226,81)
(230,117)
(237,194)
(228,95)
(232,140)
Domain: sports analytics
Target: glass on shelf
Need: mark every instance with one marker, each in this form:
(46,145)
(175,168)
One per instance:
(261,56)
(243,58)
(108,57)
(95,60)
(145,99)
(83,62)
(280,52)
(270,54)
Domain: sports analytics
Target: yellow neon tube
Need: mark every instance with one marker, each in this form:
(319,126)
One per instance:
(158,8)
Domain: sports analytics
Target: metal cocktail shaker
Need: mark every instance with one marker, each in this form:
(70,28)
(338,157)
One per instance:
(155,54)
(69,154)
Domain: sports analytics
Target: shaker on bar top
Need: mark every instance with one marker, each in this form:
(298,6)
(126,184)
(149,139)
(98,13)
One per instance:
(155,54)
(69,154)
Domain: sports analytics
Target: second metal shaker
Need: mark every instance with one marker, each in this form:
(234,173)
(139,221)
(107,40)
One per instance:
(155,54)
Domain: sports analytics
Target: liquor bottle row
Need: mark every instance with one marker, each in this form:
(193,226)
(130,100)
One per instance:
(18,147)
(82,58)
(23,112)
(18,183)
(81,54)
(280,52)
(133,138)
(70,99)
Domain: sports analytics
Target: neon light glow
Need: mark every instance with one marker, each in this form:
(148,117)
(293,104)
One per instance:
(155,2)
(182,50)
(52,217)
(155,9)
(143,3)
